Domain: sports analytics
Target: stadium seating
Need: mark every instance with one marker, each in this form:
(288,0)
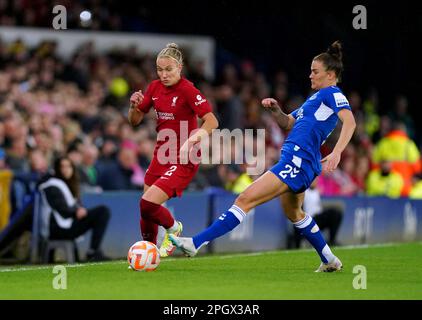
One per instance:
(43,249)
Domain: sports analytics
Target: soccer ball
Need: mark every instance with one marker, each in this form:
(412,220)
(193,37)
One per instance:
(143,256)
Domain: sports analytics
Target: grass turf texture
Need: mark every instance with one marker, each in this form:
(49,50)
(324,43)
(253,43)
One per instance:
(393,272)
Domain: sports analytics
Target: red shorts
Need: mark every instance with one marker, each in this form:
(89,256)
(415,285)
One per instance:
(171,178)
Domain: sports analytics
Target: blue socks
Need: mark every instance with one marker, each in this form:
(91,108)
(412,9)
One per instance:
(234,216)
(310,230)
(224,224)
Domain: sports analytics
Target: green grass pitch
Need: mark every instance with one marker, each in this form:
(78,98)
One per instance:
(393,271)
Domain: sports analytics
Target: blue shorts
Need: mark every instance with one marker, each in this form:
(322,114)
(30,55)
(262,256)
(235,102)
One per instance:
(294,171)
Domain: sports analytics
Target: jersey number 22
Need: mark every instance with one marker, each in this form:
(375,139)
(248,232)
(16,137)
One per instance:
(289,170)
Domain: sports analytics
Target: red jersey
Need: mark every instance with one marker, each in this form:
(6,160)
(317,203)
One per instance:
(177,107)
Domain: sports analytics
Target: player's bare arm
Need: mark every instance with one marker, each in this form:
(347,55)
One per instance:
(210,123)
(348,127)
(285,121)
(135,115)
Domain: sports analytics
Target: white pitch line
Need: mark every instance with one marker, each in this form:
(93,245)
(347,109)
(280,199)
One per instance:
(65,265)
(368,246)
(250,254)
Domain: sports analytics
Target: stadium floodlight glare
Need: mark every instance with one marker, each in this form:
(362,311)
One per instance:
(85,17)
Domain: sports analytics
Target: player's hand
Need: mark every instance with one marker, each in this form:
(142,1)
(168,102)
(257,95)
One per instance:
(185,151)
(136,98)
(270,103)
(331,162)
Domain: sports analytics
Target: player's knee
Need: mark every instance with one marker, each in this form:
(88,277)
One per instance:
(148,208)
(243,201)
(295,215)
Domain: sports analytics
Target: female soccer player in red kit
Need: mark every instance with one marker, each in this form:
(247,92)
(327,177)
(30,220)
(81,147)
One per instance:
(177,104)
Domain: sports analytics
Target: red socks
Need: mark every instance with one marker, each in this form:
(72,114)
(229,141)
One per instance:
(149,230)
(153,215)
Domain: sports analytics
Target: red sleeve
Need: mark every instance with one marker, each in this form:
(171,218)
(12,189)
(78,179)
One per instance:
(146,104)
(197,101)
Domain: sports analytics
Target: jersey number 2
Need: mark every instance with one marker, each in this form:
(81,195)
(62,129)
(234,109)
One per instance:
(170,172)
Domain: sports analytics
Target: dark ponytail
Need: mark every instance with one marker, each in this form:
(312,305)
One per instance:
(335,50)
(333,59)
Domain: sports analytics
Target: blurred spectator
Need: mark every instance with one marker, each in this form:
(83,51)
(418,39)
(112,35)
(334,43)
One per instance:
(47,102)
(345,179)
(87,169)
(384,128)
(396,147)
(234,179)
(274,135)
(272,156)
(229,76)
(416,190)
(6,176)
(281,93)
(229,108)
(17,156)
(125,173)
(38,163)
(384,181)
(3,165)
(145,151)
(360,173)
(401,114)
(63,215)
(328,184)
(372,118)
(355,101)
(361,139)
(2,132)
(74,152)
(108,147)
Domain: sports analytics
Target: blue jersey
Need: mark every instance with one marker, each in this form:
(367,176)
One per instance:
(315,120)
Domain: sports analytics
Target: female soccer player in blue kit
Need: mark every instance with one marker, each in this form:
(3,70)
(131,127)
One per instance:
(300,160)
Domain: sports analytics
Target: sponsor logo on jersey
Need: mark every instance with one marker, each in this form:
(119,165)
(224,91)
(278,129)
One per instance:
(200,100)
(340,99)
(165,115)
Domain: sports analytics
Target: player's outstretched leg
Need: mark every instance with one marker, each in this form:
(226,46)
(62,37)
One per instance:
(263,189)
(224,224)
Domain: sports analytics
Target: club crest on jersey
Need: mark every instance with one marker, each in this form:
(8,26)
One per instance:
(314,96)
(299,114)
(174,101)
(200,100)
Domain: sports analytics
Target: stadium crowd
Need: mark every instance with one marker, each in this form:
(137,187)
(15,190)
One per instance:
(51,107)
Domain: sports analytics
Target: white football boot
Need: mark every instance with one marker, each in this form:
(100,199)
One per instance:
(184,244)
(335,265)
